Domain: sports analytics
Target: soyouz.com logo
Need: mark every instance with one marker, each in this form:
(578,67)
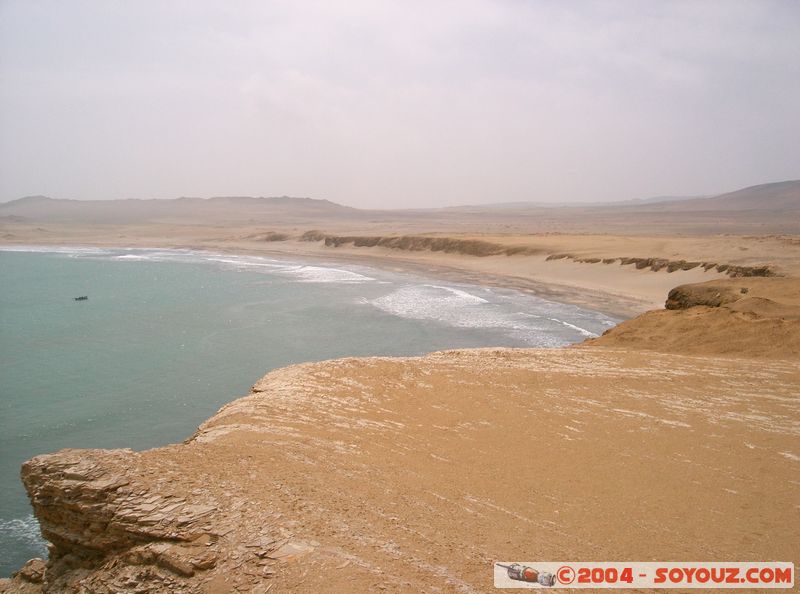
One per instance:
(619,575)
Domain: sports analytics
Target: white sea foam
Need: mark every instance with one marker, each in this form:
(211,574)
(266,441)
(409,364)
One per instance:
(461,308)
(294,270)
(463,295)
(580,330)
(46,249)
(321,274)
(25,531)
(444,304)
(115,254)
(132,257)
(248,262)
(299,272)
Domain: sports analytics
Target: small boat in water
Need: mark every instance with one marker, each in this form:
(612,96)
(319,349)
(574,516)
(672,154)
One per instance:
(82,298)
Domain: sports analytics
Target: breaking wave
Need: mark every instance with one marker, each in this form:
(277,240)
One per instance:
(21,532)
(459,308)
(296,271)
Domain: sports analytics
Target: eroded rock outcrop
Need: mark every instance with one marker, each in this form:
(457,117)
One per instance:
(753,317)
(483,248)
(417,243)
(710,295)
(103,509)
(768,298)
(657,264)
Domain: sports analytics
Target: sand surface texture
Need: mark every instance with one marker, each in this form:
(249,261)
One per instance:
(415,474)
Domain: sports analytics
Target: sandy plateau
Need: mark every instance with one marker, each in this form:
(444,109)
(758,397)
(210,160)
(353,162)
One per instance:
(674,436)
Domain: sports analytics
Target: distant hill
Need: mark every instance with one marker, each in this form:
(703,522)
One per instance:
(178,210)
(778,196)
(657,199)
(633,202)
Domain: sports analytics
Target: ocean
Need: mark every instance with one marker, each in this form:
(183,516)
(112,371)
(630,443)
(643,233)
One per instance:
(166,337)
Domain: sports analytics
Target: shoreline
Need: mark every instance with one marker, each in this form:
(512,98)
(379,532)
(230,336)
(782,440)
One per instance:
(620,275)
(618,305)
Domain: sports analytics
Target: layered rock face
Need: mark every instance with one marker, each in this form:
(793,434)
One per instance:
(416,474)
(93,505)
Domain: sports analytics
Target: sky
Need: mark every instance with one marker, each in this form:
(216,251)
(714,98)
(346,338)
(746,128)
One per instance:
(392,104)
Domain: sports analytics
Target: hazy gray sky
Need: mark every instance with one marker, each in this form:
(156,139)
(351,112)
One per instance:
(375,103)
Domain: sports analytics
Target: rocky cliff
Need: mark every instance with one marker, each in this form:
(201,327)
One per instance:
(414,474)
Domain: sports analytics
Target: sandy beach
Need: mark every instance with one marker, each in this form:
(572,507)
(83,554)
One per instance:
(562,267)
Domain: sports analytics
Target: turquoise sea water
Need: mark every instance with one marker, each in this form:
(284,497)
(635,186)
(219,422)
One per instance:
(168,336)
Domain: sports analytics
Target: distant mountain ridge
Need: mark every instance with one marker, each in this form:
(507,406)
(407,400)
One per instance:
(777,197)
